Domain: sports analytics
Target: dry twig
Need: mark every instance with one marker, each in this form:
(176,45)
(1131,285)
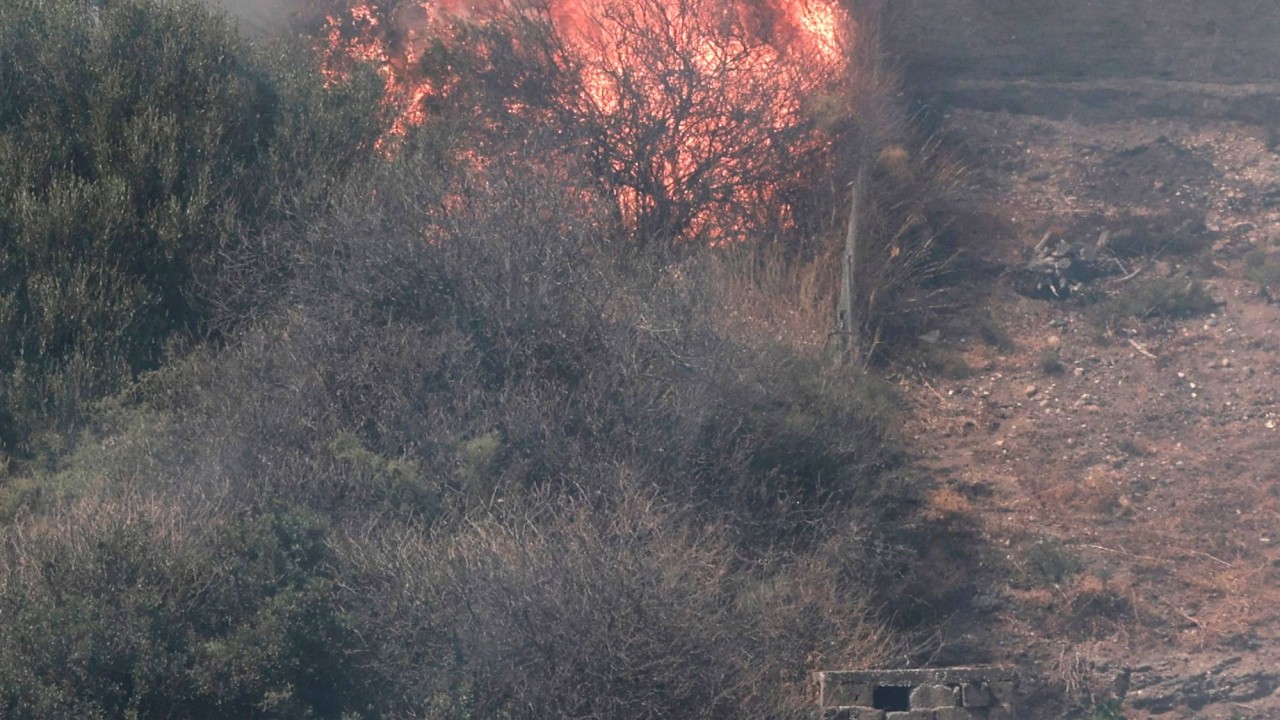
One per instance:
(1138,346)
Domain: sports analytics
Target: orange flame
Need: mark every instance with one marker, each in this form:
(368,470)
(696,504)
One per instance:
(687,70)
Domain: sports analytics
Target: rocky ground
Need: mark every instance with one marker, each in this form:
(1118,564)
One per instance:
(1121,473)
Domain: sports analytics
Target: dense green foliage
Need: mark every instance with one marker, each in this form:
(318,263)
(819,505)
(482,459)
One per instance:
(140,143)
(142,622)
(459,450)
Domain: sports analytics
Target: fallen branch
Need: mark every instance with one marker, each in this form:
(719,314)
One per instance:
(1138,346)
(1205,554)
(1118,552)
(1194,621)
(1133,274)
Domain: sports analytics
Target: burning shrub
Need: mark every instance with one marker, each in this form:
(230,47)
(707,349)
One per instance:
(699,118)
(701,122)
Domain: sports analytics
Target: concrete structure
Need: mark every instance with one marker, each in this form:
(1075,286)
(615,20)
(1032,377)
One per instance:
(960,693)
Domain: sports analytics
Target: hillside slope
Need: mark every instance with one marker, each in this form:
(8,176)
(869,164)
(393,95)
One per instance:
(1121,463)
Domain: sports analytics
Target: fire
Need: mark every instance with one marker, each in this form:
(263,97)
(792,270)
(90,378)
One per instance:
(690,102)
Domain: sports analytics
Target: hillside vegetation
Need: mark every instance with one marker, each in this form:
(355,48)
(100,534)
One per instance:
(299,426)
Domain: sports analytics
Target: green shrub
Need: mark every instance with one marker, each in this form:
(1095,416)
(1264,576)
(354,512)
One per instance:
(1172,298)
(1050,362)
(1109,709)
(1262,268)
(140,142)
(1049,562)
(117,611)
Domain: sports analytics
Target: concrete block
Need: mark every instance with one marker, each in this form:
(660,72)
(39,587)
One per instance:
(1002,692)
(853,713)
(838,694)
(933,696)
(975,695)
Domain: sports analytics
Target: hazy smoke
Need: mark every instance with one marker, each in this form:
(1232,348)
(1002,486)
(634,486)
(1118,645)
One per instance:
(265,16)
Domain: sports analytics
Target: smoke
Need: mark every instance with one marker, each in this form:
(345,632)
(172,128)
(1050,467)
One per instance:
(265,17)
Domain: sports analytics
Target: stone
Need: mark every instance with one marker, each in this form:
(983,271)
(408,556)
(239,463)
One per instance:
(975,695)
(1002,692)
(910,715)
(841,694)
(999,713)
(1031,391)
(952,714)
(933,696)
(1053,342)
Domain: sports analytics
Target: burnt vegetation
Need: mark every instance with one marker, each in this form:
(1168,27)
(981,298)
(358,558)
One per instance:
(303,422)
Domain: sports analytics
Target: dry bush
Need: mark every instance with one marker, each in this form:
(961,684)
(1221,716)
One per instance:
(574,610)
(512,347)
(132,605)
(464,408)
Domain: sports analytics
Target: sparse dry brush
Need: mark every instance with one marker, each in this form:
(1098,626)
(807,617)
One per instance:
(564,610)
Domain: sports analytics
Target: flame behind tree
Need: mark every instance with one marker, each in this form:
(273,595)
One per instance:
(697,117)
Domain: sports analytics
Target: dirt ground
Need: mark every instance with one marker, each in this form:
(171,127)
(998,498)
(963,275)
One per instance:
(1122,477)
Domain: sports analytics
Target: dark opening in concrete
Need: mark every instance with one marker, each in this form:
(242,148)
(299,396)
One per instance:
(891,697)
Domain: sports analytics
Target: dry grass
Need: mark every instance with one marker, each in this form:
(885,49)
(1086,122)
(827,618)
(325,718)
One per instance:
(765,296)
(947,505)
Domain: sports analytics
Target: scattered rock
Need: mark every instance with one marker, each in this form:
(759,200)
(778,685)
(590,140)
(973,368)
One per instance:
(1031,391)
(933,696)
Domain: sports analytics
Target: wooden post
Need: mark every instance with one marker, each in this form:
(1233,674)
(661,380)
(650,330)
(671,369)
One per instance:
(849,317)
(849,327)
